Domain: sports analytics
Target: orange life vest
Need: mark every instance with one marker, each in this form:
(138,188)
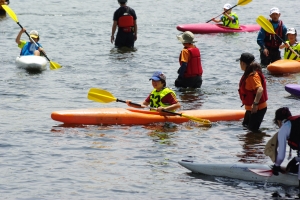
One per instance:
(194,66)
(126,21)
(248,96)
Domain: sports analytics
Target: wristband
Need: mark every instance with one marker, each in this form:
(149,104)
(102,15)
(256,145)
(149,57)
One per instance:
(254,103)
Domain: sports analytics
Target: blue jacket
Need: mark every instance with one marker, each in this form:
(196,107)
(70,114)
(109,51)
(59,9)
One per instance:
(262,34)
(29,48)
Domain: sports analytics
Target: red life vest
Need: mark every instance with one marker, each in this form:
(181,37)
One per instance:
(126,21)
(248,96)
(273,41)
(194,67)
(294,139)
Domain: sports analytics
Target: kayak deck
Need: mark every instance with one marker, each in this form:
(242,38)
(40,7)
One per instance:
(122,116)
(37,63)
(216,28)
(284,66)
(239,171)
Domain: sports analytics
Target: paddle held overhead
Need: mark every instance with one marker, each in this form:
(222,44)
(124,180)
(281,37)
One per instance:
(10,12)
(103,96)
(240,3)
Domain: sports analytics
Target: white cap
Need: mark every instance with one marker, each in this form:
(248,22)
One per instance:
(34,34)
(227,6)
(274,10)
(291,31)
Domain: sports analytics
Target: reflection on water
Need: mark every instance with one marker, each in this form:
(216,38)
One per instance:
(253,147)
(190,99)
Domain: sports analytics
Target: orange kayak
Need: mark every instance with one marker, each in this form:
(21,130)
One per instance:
(122,116)
(284,66)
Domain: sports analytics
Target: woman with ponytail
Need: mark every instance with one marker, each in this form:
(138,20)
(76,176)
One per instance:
(253,92)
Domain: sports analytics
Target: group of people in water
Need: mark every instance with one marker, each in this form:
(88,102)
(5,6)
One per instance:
(252,86)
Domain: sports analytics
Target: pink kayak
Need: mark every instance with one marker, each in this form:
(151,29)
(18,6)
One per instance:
(216,28)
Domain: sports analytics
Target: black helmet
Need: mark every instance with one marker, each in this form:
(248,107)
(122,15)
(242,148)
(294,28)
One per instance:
(122,1)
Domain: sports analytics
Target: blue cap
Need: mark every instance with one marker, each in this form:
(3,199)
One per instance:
(158,76)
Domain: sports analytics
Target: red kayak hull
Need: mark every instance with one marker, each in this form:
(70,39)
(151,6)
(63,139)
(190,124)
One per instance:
(216,28)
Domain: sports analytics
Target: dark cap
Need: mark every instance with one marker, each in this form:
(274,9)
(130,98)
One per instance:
(246,58)
(282,113)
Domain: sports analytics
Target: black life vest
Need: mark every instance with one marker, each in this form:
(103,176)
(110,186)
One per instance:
(294,140)
(272,40)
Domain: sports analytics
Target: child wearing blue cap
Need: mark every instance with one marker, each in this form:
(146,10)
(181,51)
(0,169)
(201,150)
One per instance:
(161,97)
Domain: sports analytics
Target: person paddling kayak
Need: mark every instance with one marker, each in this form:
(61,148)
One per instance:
(229,19)
(292,43)
(161,97)
(29,48)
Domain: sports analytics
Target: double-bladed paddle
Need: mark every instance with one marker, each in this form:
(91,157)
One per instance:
(240,3)
(10,12)
(103,96)
(268,27)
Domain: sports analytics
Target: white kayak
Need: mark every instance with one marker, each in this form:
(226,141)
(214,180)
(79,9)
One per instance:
(240,171)
(31,62)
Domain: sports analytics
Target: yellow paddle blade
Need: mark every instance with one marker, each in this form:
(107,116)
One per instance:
(243,2)
(10,12)
(54,65)
(99,95)
(205,122)
(265,24)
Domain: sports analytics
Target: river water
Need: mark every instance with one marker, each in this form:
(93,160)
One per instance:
(42,159)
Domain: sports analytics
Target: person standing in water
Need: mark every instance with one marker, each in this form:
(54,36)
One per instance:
(253,92)
(125,19)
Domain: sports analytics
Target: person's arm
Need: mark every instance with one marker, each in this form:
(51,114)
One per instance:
(171,107)
(113,30)
(18,38)
(216,20)
(170,99)
(135,30)
(229,17)
(258,95)
(283,135)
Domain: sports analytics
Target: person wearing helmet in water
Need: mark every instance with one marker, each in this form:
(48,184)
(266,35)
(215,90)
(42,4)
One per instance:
(229,19)
(292,43)
(32,47)
(125,19)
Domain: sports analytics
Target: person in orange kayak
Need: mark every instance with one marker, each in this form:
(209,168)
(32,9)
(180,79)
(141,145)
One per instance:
(190,71)
(125,19)
(253,92)
(29,48)
(229,19)
(292,43)
(3,2)
(161,97)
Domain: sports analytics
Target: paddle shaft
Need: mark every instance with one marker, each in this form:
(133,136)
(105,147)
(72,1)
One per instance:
(221,13)
(33,41)
(136,104)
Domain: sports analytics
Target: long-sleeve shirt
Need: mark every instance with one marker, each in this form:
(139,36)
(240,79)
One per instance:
(283,136)
(262,34)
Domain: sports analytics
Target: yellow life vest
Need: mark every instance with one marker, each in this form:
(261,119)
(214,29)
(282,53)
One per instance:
(288,54)
(156,97)
(227,22)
